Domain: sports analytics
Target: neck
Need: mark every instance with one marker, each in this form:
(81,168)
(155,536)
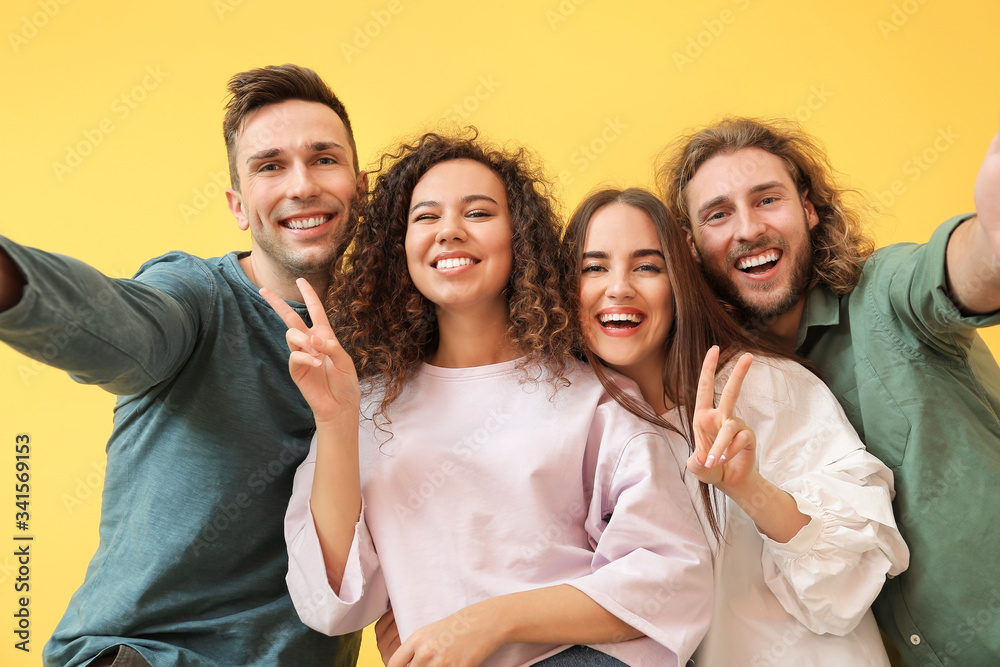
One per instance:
(470,339)
(262,274)
(649,377)
(785,327)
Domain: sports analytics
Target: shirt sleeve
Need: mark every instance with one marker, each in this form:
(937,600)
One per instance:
(363,597)
(829,574)
(652,567)
(122,335)
(908,283)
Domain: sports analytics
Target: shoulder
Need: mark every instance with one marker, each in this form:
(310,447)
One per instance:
(774,384)
(184,266)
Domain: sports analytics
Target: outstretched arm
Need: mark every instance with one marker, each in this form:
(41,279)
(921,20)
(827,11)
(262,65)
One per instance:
(725,452)
(11,282)
(324,373)
(973,259)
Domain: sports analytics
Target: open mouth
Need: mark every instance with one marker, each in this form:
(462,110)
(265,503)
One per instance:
(620,320)
(306,223)
(759,263)
(454,262)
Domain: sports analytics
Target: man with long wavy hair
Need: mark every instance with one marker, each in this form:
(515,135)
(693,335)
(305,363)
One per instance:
(209,427)
(893,332)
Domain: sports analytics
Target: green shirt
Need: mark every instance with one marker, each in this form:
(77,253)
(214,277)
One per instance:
(923,391)
(208,432)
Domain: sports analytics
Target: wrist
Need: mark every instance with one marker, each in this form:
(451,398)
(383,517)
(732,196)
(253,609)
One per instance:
(744,490)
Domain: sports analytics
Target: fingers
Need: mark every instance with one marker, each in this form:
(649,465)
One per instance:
(705,398)
(401,658)
(733,437)
(313,304)
(731,392)
(386,636)
(285,312)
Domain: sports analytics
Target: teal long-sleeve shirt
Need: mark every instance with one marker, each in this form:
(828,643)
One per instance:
(208,432)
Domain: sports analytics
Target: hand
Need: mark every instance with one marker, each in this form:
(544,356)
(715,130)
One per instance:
(725,447)
(320,367)
(386,636)
(987,191)
(11,282)
(464,639)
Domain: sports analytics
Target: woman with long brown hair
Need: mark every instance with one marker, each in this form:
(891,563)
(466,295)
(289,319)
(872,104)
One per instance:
(508,509)
(797,512)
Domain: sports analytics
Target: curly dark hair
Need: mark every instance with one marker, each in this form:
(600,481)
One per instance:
(389,327)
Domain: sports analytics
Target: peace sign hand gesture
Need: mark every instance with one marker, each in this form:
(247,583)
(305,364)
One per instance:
(725,447)
(320,367)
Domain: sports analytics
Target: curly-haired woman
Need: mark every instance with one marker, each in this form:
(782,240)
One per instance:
(505,505)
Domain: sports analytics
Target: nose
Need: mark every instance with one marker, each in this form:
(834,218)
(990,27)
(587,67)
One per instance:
(749,225)
(301,183)
(619,285)
(451,227)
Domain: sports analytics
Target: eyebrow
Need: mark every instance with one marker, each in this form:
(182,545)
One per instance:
(642,252)
(316,146)
(721,199)
(467,199)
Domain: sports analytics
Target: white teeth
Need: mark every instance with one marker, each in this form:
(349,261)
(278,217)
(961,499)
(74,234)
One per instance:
(620,317)
(453,262)
(307,223)
(748,262)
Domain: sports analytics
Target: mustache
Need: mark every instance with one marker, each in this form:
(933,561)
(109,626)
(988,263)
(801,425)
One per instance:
(743,249)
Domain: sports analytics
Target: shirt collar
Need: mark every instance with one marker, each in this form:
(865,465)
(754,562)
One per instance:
(822,309)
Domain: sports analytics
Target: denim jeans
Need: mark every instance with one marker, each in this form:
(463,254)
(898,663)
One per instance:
(580,656)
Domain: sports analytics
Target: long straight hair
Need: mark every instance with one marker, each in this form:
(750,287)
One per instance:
(699,321)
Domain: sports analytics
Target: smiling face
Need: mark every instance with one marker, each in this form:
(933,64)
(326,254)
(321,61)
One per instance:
(751,230)
(458,238)
(626,302)
(297,184)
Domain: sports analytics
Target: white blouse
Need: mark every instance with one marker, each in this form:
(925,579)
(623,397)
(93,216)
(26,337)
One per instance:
(804,602)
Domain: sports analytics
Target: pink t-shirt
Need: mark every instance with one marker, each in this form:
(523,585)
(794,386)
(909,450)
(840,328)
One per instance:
(494,484)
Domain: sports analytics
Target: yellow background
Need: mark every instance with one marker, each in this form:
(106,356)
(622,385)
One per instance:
(595,88)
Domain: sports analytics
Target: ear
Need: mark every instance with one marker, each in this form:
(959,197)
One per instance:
(812,218)
(692,246)
(235,201)
(362,187)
